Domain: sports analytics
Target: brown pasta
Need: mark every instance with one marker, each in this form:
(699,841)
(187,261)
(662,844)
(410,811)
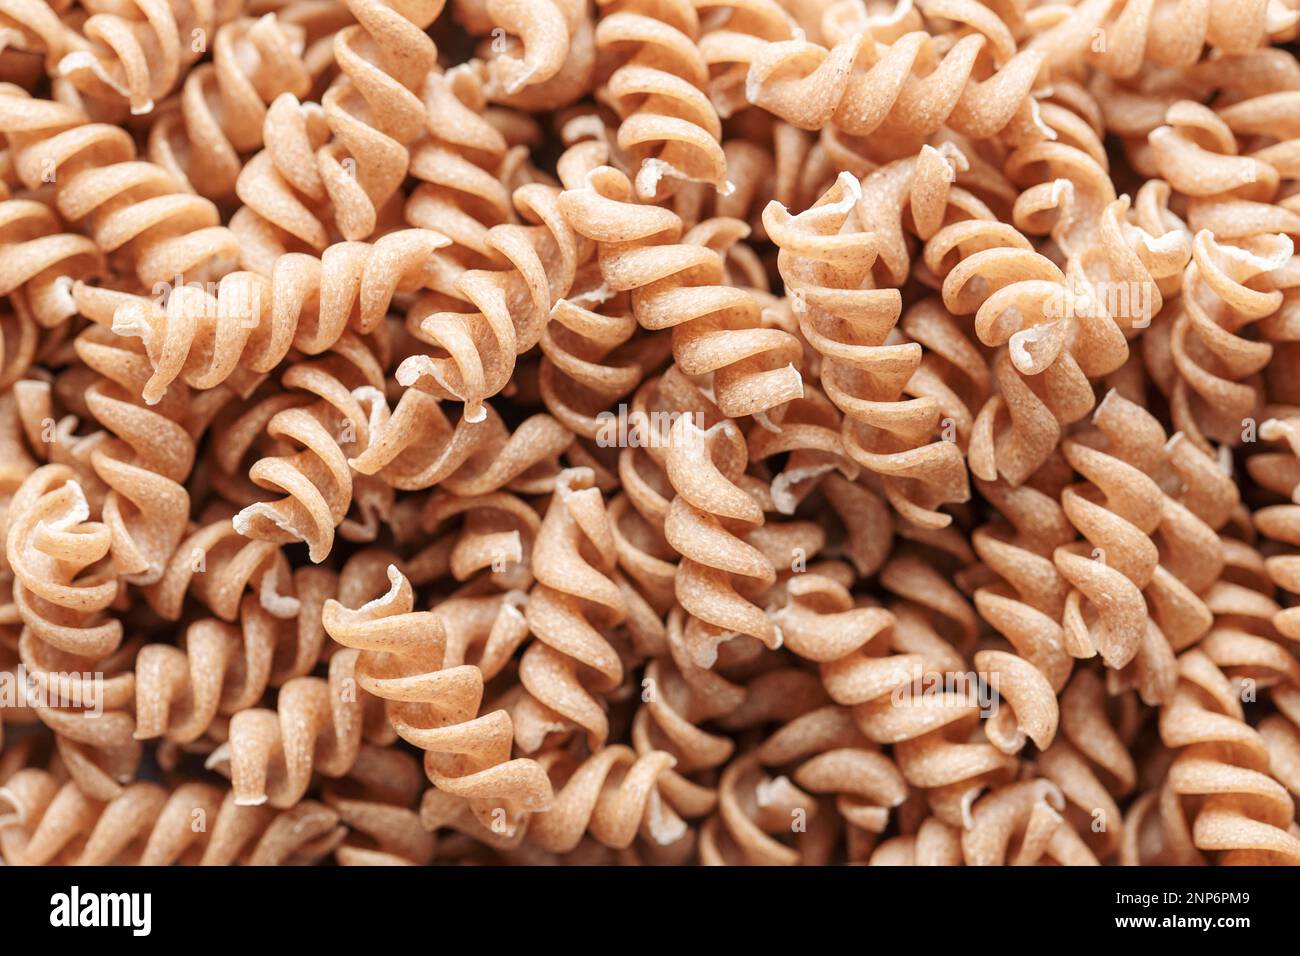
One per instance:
(649,432)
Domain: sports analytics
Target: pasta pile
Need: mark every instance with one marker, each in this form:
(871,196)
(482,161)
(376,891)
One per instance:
(650,432)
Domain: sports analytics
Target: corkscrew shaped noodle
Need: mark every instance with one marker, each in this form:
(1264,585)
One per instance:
(667,122)
(903,698)
(1025,603)
(1022,824)
(612,794)
(220,566)
(146,825)
(513,304)
(134,208)
(821,623)
(37,27)
(223,104)
(415,447)
(862,88)
(544,30)
(1133,527)
(436,707)
(809,437)
(1216,364)
(669,721)
(989,268)
(1278,472)
(756,809)
(348,156)
(1090,762)
(1175,34)
(62,588)
(571,611)
(249,322)
(586,367)
(317,727)
(316,481)
(145,456)
(732,35)
(675,283)
(140,55)
(221,669)
(464,168)
(496,532)
(1219,797)
(826,261)
(38,262)
(707,524)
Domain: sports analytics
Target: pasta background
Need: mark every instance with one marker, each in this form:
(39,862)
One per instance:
(649,432)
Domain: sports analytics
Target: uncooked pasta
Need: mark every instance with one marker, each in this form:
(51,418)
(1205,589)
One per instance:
(649,432)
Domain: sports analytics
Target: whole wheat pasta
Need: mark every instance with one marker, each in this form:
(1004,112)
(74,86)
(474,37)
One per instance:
(40,261)
(317,726)
(719,333)
(317,481)
(513,305)
(532,57)
(144,456)
(1242,831)
(728,432)
(53,823)
(221,669)
(62,591)
(436,707)
(249,322)
(667,121)
(95,173)
(253,62)
(376,804)
(826,261)
(860,90)
(1178,537)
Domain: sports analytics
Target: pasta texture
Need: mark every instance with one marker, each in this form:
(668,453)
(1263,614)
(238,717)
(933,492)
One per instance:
(649,432)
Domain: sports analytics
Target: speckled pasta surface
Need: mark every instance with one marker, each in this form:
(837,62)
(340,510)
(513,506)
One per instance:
(649,432)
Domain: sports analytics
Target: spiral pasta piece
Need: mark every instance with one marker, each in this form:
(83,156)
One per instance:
(826,260)
(1131,524)
(1174,35)
(436,707)
(223,104)
(571,609)
(1219,797)
(717,330)
(135,208)
(862,90)
(145,825)
(513,305)
(39,262)
(221,669)
(317,727)
(249,323)
(334,165)
(61,592)
(317,481)
(989,268)
(139,52)
(375,803)
(143,463)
